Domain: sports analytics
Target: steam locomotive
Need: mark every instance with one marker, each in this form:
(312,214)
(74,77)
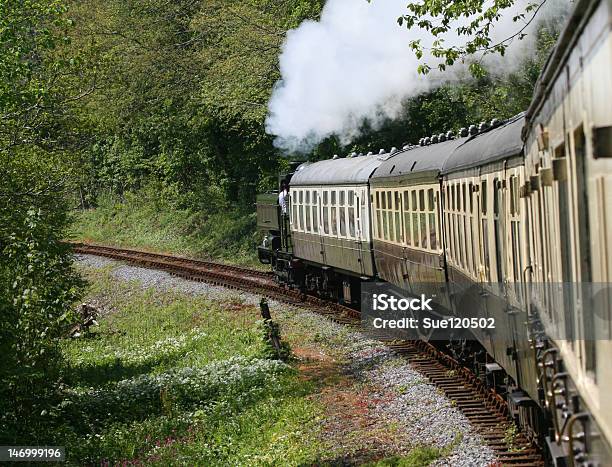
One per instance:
(513,217)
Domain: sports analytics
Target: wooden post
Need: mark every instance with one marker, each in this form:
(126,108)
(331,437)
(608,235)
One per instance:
(265,314)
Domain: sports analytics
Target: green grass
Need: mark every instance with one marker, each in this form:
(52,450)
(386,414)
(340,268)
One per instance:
(172,379)
(142,220)
(420,456)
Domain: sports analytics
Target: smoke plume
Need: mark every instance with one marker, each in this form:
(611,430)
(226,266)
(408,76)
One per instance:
(355,64)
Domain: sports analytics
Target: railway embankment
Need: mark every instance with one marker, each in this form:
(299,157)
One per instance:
(191,381)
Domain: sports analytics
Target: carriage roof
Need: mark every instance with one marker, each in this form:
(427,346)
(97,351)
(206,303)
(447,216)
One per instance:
(490,146)
(342,171)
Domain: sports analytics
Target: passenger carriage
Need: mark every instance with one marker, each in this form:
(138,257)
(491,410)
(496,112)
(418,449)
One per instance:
(568,199)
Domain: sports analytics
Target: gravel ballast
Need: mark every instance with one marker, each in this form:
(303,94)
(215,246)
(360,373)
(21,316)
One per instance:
(398,395)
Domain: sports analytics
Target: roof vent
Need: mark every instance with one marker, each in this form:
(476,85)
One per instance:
(450,135)
(463,132)
(434,139)
(382,151)
(393,150)
(370,153)
(335,157)
(473,130)
(495,123)
(483,126)
(426,141)
(441,137)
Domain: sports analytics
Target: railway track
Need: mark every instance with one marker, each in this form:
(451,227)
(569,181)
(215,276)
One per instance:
(486,410)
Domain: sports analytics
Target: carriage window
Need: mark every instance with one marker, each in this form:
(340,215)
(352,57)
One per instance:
(430,199)
(307,208)
(389,215)
(423,230)
(452,196)
(342,196)
(471,195)
(342,214)
(483,196)
(383,204)
(451,229)
(326,220)
(334,218)
(485,249)
(433,241)
(301,226)
(398,201)
(351,221)
(389,200)
(421,200)
(351,198)
(361,217)
(315,219)
(398,227)
(458,197)
(463,197)
(407,228)
(385,226)
(414,200)
(307,197)
(333,197)
(496,188)
(460,244)
(415,228)
(325,198)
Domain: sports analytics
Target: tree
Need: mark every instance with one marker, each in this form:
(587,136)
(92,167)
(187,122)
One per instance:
(37,282)
(472,20)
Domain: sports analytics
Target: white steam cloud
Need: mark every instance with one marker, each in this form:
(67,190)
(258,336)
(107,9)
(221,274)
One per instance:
(355,64)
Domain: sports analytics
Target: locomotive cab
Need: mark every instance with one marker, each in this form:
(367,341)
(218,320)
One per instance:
(276,247)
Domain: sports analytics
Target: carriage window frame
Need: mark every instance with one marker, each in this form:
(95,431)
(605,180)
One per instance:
(315,211)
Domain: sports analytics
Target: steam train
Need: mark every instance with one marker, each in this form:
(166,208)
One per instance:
(513,217)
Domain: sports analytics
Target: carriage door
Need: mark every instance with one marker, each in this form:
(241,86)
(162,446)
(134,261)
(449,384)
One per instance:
(359,213)
(324,220)
(561,181)
(499,227)
(583,253)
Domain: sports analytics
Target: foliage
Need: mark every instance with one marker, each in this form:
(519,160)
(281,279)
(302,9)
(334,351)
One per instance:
(37,282)
(473,20)
(212,228)
(210,397)
(420,456)
(270,331)
(183,90)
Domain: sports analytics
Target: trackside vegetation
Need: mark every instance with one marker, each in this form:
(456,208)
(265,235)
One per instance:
(143,220)
(168,378)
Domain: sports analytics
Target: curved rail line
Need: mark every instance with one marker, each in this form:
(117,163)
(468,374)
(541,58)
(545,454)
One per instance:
(486,410)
